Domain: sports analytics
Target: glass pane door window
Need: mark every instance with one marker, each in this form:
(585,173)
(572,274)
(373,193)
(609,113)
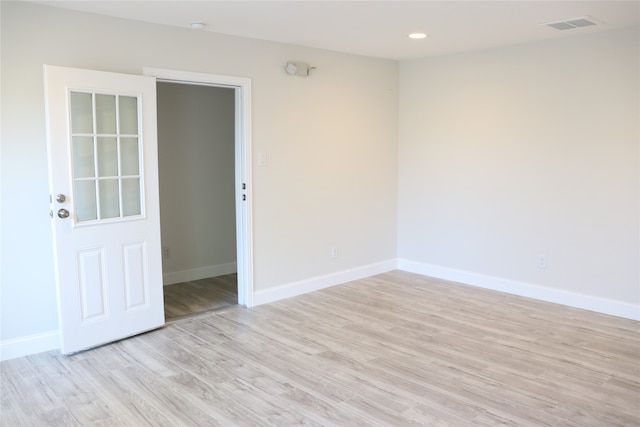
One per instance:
(105,148)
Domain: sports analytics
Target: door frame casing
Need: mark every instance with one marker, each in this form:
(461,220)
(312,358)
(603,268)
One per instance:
(244,207)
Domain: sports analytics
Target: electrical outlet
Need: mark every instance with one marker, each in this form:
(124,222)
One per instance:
(542,262)
(166,252)
(334,252)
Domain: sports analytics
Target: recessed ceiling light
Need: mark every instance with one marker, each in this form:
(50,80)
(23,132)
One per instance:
(197,25)
(417,35)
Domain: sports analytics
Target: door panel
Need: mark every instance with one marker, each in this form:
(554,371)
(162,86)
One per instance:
(135,282)
(91,283)
(103,171)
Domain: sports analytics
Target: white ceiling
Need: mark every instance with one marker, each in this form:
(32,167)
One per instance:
(375,28)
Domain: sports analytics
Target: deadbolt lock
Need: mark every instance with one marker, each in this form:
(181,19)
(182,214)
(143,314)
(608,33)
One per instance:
(60,198)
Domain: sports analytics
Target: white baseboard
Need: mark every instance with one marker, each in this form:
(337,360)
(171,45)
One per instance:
(571,299)
(199,273)
(316,283)
(30,344)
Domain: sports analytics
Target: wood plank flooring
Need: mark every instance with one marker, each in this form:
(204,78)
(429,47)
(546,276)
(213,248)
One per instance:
(395,349)
(182,299)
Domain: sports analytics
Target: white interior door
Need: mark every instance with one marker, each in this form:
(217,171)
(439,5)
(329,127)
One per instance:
(103,173)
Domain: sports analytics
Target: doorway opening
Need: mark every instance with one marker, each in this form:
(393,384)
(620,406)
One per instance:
(204,175)
(196,157)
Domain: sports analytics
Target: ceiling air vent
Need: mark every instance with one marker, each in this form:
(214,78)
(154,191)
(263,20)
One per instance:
(568,24)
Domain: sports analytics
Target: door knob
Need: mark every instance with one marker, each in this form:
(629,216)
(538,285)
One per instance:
(63,213)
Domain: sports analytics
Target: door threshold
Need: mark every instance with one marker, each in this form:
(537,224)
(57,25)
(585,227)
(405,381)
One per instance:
(200,313)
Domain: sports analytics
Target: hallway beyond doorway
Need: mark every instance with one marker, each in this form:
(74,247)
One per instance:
(197,296)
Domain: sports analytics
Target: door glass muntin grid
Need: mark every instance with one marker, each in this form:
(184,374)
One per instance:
(106,156)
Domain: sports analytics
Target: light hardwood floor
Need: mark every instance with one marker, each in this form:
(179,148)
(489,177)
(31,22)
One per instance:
(392,350)
(201,295)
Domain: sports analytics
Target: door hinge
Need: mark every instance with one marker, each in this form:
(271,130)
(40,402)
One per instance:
(244,197)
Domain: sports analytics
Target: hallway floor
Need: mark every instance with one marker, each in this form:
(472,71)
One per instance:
(201,295)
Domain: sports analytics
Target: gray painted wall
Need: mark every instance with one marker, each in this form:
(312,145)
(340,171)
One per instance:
(330,139)
(197,177)
(512,153)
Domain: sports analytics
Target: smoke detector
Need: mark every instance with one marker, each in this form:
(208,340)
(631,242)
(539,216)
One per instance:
(569,24)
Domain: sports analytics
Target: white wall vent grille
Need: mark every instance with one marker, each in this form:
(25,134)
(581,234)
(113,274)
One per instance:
(569,24)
